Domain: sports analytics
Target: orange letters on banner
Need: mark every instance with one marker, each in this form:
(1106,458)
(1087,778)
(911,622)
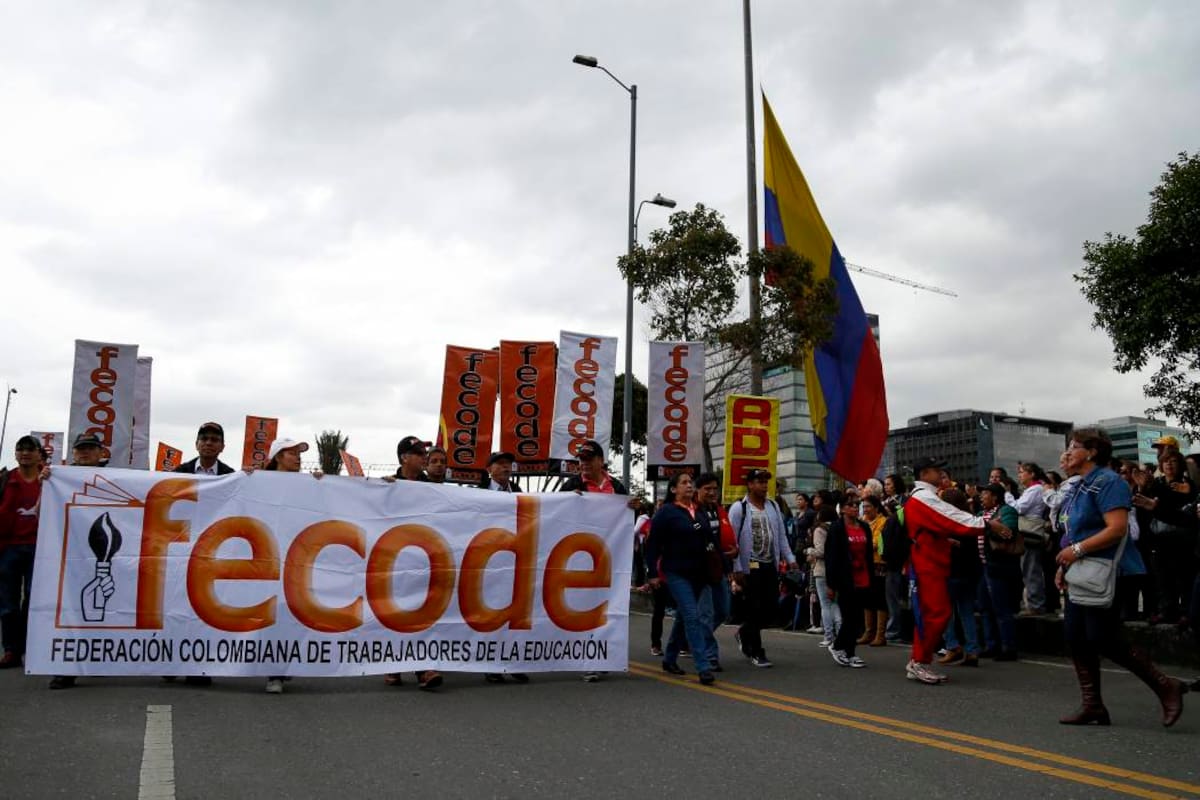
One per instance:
(168,458)
(527,376)
(205,568)
(260,432)
(352,464)
(468,406)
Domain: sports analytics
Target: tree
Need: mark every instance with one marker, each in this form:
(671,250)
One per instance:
(1146,293)
(689,276)
(640,411)
(330,445)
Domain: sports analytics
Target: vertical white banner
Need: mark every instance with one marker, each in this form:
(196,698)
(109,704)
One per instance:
(102,396)
(587,375)
(140,458)
(53,443)
(675,429)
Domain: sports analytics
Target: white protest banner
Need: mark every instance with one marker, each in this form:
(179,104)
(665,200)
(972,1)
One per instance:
(102,396)
(53,445)
(675,406)
(272,573)
(587,374)
(140,458)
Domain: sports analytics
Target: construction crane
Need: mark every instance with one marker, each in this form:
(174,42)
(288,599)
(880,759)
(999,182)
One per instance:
(874,273)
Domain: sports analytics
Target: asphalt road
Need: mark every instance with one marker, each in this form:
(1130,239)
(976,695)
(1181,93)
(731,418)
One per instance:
(806,728)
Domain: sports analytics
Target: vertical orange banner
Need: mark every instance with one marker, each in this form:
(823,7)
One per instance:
(168,458)
(352,464)
(527,374)
(260,432)
(468,407)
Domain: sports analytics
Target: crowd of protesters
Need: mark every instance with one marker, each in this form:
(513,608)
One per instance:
(946,565)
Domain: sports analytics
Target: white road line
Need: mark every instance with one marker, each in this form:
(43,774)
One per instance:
(157,780)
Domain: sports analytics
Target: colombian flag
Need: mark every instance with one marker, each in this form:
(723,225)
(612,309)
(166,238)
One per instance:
(844,375)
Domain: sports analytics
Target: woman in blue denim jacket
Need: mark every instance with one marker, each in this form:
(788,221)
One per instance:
(1097,521)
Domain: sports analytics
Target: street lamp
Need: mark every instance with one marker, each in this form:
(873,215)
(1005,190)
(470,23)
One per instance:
(593,63)
(657,200)
(4,428)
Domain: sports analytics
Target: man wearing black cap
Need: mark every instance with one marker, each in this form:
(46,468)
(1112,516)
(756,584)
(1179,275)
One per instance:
(499,473)
(411,453)
(762,550)
(930,522)
(210,442)
(20,494)
(592,477)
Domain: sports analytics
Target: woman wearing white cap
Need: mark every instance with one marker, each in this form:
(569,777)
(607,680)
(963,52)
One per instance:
(284,456)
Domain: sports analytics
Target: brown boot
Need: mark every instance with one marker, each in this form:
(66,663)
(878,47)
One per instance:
(1091,709)
(868,628)
(1170,691)
(881,621)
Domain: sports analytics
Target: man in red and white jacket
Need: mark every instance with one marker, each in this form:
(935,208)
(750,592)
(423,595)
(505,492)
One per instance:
(931,522)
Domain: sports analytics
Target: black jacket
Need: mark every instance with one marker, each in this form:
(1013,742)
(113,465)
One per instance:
(190,467)
(839,572)
(486,483)
(677,543)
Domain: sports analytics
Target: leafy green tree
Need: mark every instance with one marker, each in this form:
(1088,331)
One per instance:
(637,436)
(689,275)
(1146,293)
(329,447)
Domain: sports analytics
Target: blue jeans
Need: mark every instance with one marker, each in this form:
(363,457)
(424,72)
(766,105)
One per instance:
(997,598)
(16,575)
(688,621)
(831,613)
(895,590)
(706,605)
(962,603)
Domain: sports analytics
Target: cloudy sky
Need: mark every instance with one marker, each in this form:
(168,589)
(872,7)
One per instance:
(294,206)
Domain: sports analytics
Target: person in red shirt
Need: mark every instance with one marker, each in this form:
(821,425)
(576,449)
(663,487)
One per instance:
(930,522)
(20,499)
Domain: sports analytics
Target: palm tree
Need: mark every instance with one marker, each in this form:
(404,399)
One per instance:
(330,445)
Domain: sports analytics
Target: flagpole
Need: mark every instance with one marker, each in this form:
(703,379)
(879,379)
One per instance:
(756,365)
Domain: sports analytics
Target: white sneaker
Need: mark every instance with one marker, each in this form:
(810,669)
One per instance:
(274,686)
(923,673)
(857,662)
(824,643)
(840,657)
(591,677)
(815,629)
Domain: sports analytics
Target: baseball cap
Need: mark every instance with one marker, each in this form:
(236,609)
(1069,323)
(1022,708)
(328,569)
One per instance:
(589,449)
(500,456)
(757,474)
(1165,441)
(927,462)
(285,444)
(411,444)
(87,440)
(211,427)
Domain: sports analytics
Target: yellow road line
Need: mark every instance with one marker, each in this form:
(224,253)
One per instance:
(871,723)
